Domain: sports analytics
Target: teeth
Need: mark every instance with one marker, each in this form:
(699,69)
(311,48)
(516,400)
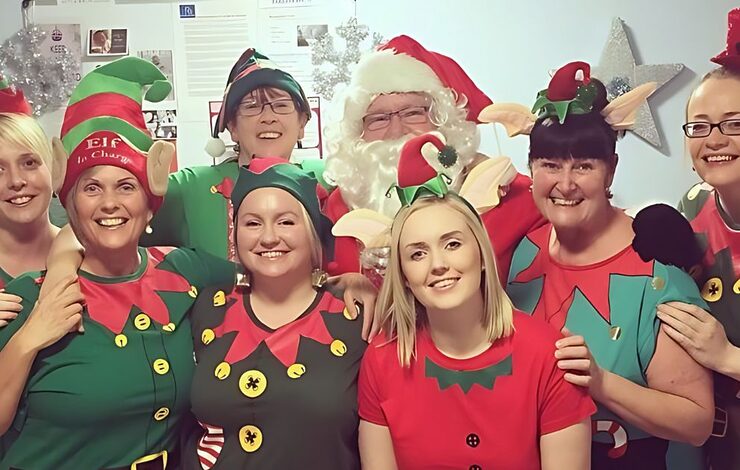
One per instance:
(565,202)
(720,158)
(272,254)
(444,283)
(111,222)
(20,200)
(269,135)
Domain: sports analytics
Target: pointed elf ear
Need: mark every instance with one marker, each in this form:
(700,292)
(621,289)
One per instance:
(158,166)
(620,112)
(58,164)
(481,186)
(369,227)
(516,118)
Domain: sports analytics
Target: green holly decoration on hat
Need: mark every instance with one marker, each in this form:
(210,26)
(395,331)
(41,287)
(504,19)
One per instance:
(570,92)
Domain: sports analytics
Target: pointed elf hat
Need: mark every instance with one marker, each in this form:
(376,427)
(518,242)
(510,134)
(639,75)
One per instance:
(730,57)
(12,99)
(104,125)
(251,71)
(402,65)
(569,92)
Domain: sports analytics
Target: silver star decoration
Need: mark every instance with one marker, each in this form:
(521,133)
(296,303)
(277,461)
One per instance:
(619,73)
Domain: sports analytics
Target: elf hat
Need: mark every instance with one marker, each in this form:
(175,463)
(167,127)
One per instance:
(12,99)
(273,172)
(104,125)
(730,57)
(416,177)
(402,65)
(253,70)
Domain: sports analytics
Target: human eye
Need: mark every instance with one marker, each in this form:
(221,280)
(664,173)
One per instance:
(282,105)
(252,223)
(698,128)
(731,126)
(91,188)
(286,221)
(583,166)
(548,164)
(453,245)
(414,111)
(31,163)
(371,119)
(417,255)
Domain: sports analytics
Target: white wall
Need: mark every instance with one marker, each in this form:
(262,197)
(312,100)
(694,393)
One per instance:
(508,47)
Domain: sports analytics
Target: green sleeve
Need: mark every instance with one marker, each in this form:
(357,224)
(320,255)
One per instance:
(200,268)
(25,287)
(669,284)
(168,225)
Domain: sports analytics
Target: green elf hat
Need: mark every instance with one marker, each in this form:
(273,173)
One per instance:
(273,172)
(104,125)
(416,177)
(12,99)
(570,92)
(253,70)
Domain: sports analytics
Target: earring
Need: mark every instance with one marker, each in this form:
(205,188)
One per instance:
(609,193)
(148,229)
(237,148)
(242,278)
(530,187)
(318,278)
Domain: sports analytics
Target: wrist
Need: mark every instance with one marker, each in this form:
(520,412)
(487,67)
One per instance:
(729,363)
(24,343)
(600,385)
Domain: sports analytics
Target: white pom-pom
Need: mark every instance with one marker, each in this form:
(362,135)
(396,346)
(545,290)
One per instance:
(215,147)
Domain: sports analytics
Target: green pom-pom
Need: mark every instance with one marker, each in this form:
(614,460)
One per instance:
(447,156)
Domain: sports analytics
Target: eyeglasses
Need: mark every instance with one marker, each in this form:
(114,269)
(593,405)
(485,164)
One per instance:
(408,115)
(253,108)
(703,129)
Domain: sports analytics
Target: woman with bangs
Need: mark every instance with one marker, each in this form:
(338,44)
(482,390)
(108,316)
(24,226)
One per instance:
(582,272)
(457,365)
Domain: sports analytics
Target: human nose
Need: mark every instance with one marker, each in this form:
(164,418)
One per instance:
(268,114)
(566,182)
(439,263)
(109,202)
(15,179)
(269,236)
(716,139)
(396,129)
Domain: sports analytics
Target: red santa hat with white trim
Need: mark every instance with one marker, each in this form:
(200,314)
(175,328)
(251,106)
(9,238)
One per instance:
(403,65)
(12,100)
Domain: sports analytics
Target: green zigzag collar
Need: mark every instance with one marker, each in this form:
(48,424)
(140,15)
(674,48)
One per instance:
(466,378)
(581,104)
(436,186)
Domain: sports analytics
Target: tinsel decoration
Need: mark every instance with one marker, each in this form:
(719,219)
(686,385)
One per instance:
(619,73)
(47,82)
(323,53)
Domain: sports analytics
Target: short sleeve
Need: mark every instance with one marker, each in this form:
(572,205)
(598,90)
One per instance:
(368,389)
(25,287)
(200,268)
(561,404)
(168,225)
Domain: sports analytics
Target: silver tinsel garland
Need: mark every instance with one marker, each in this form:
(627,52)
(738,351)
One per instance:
(46,81)
(323,52)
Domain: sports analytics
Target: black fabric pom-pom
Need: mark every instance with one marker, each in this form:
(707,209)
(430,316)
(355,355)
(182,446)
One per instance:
(447,156)
(663,234)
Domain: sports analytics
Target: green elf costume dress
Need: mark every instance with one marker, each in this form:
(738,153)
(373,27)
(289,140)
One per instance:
(487,411)
(116,396)
(197,212)
(275,398)
(12,101)
(719,237)
(612,303)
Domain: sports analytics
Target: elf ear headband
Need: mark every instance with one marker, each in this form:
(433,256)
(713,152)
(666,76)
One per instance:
(570,92)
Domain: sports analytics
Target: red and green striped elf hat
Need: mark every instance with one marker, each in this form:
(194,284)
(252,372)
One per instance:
(12,99)
(251,71)
(104,124)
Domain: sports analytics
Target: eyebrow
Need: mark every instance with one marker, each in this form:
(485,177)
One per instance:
(281,214)
(446,236)
(727,114)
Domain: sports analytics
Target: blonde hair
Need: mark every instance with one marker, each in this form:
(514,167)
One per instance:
(317,252)
(400,314)
(23,131)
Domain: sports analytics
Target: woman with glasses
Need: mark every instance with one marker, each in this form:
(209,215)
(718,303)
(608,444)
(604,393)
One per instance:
(713,207)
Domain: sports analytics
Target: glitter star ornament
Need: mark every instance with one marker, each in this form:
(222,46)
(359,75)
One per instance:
(619,73)
(323,53)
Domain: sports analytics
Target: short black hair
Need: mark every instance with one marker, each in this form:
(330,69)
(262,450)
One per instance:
(579,136)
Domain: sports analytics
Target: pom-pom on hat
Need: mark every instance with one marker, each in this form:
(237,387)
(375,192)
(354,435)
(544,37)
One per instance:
(253,70)
(273,172)
(730,57)
(104,124)
(12,99)
(402,65)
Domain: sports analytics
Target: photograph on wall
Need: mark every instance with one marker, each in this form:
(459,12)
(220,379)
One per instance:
(162,59)
(162,123)
(107,42)
(307,34)
(60,38)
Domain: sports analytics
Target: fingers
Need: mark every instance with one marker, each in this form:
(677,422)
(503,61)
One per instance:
(573,352)
(3,323)
(676,325)
(580,380)
(570,341)
(691,309)
(10,306)
(678,337)
(581,365)
(72,322)
(9,298)
(8,316)
(62,286)
(679,315)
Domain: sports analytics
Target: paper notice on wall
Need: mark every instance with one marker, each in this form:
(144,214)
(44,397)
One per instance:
(60,38)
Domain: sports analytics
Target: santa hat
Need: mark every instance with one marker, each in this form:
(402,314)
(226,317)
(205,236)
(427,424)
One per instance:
(402,65)
(104,124)
(273,172)
(12,99)
(730,57)
(416,177)
(570,91)
(253,70)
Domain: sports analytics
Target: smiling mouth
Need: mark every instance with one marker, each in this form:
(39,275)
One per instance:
(269,135)
(444,283)
(559,201)
(20,201)
(112,222)
(719,158)
(274,254)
